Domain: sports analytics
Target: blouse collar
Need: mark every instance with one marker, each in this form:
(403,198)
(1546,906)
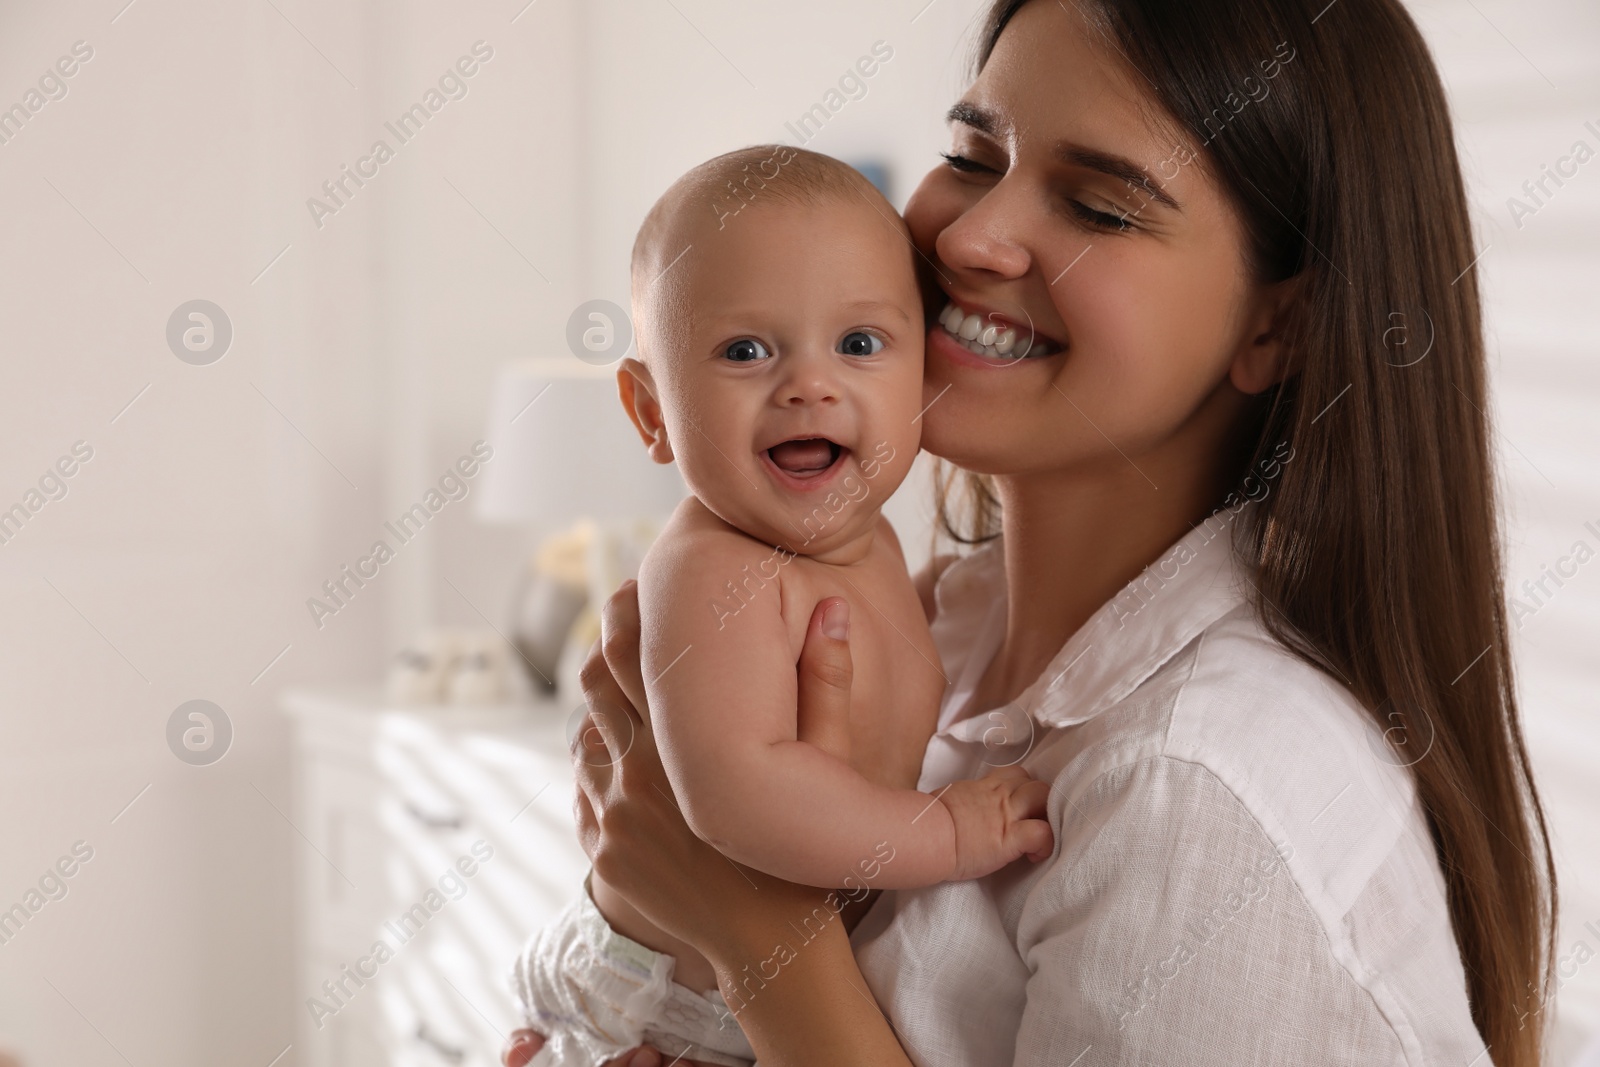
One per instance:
(1189,587)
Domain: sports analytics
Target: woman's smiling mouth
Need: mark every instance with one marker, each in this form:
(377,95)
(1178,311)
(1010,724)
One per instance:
(993,337)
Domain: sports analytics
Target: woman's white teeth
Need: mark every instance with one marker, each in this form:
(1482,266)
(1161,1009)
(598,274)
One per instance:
(986,339)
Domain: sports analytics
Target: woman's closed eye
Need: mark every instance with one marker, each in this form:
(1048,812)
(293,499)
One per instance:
(1107,221)
(746,350)
(1100,220)
(966,164)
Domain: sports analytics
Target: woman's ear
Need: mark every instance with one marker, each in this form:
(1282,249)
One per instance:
(638,392)
(1263,358)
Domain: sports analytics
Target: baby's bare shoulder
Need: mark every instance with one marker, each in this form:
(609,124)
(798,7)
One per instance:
(698,555)
(695,538)
(699,575)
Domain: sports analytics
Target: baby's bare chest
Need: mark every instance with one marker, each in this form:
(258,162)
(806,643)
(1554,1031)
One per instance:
(897,681)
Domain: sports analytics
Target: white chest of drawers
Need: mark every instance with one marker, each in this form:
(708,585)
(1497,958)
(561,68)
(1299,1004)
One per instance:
(436,841)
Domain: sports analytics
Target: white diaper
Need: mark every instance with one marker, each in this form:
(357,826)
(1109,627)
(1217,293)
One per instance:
(594,993)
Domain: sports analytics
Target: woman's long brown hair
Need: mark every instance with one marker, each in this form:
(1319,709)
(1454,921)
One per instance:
(1378,548)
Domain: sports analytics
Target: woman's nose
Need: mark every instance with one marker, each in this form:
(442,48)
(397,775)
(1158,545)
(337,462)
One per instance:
(987,236)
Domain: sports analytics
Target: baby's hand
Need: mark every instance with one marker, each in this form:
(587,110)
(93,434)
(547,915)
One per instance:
(997,819)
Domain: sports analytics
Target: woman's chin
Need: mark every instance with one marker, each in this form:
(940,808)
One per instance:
(955,445)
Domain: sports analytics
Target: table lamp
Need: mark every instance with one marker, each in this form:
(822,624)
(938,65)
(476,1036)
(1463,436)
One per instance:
(569,465)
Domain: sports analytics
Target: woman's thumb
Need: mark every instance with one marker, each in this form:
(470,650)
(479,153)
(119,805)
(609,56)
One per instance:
(824,676)
(521,1046)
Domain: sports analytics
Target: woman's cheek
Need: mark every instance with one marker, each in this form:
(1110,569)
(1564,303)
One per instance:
(1113,313)
(1144,348)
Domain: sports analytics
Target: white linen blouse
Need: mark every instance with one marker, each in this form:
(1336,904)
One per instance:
(1242,872)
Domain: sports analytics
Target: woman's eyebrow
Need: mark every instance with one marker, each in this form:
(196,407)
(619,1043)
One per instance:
(1116,167)
(972,115)
(986,121)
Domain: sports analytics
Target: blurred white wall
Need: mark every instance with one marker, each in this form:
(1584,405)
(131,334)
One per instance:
(178,166)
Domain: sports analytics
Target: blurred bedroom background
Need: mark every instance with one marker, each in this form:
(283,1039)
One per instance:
(243,348)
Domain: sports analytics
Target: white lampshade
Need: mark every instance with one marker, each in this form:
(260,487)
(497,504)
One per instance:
(564,449)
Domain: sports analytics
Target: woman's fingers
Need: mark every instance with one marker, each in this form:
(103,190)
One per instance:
(619,641)
(607,730)
(612,689)
(596,747)
(584,816)
(825,672)
(521,1046)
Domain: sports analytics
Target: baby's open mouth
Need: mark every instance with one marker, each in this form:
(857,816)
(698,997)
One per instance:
(807,457)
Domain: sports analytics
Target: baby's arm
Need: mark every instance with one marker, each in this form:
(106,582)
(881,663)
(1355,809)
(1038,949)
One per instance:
(720,671)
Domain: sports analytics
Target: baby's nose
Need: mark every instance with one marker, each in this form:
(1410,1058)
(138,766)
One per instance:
(805,393)
(809,384)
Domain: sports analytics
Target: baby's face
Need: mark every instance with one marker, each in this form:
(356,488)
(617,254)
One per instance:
(787,360)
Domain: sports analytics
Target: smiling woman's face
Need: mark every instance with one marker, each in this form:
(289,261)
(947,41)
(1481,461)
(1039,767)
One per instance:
(1063,213)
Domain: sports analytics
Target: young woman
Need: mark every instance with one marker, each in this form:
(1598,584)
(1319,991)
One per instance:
(1246,611)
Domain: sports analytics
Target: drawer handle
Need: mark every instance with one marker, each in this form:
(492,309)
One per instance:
(434,822)
(449,1052)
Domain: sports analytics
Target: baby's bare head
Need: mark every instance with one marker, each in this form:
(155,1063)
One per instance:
(722,191)
(780,330)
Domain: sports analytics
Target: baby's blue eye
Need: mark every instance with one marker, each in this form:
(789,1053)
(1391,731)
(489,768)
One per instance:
(860,343)
(746,350)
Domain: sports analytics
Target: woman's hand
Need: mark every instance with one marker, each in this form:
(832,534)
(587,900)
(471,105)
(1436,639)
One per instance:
(815,1007)
(632,828)
(629,822)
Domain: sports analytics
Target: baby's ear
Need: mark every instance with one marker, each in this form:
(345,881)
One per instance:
(638,392)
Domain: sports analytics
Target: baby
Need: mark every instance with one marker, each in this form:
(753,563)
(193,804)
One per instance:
(780,336)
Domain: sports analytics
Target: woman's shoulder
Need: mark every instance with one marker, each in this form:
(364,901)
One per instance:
(1287,734)
(1239,773)
(1287,741)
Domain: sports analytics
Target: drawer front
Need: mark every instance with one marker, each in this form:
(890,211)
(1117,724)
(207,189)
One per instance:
(447,793)
(436,998)
(447,846)
(442,1008)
